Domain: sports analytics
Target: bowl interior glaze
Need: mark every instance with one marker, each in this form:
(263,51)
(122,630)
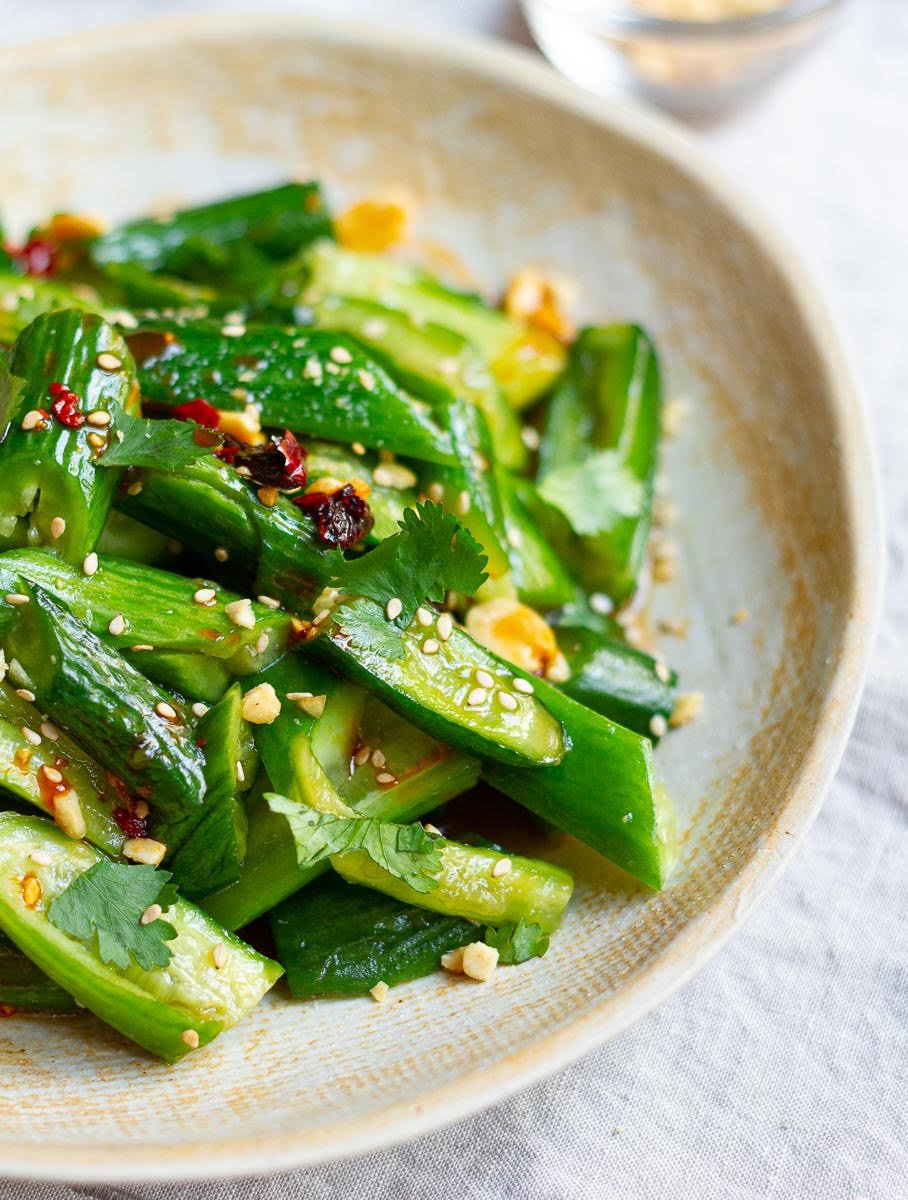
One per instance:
(506,165)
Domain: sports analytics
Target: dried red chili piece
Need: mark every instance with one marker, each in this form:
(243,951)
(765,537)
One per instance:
(342,519)
(132,826)
(199,411)
(36,257)
(279,463)
(65,406)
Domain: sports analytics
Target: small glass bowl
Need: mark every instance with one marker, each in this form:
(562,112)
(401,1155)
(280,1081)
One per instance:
(695,68)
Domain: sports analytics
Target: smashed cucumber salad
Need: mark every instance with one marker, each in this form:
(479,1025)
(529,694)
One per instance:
(298,545)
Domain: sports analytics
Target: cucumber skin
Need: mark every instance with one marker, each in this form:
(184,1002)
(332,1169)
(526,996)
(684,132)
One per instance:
(126,998)
(605,776)
(336,939)
(52,473)
(25,987)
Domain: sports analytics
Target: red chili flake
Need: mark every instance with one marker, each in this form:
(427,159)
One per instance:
(280,463)
(36,257)
(341,519)
(228,452)
(200,742)
(199,411)
(132,826)
(65,406)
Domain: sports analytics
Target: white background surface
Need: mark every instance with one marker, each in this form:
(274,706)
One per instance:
(781,1072)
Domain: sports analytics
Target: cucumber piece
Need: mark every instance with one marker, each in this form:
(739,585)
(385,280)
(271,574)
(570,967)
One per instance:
(313,382)
(524,361)
(112,710)
(158,608)
(23,298)
(616,680)
(192,676)
(536,891)
(335,939)
(212,855)
(154,1008)
(122,537)
(609,399)
(48,470)
(537,571)
(430,361)
(601,792)
(25,987)
(275,222)
(22,772)
(432,690)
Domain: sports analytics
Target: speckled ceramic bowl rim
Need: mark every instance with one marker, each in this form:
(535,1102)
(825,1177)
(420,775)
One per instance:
(703,938)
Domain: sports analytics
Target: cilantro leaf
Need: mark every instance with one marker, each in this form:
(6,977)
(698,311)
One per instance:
(516,942)
(594,494)
(159,445)
(405,851)
(431,555)
(108,900)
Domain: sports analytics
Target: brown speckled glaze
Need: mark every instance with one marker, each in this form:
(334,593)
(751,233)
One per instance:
(507,165)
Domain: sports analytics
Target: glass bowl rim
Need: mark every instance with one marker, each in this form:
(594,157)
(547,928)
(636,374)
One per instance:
(619,18)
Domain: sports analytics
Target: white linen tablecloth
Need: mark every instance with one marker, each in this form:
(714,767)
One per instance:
(781,1071)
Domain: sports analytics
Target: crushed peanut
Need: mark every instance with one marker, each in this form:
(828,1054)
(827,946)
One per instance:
(688,706)
(261,705)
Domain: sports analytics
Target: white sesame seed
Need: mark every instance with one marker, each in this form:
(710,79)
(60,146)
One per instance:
(361,757)
(221,553)
(502,867)
(41,858)
(393,608)
(321,616)
(152,913)
(340,354)
(299,695)
(50,731)
(141,646)
(240,773)
(205,596)
(476,697)
(529,435)
(385,777)
(380,992)
(165,710)
(52,774)
(33,739)
(26,694)
(16,598)
(375,327)
(190,1038)
(233,330)
(445,626)
(108,362)
(90,564)
(57,527)
(117,625)
(662,672)
(268,601)
(358,448)
(136,488)
(484,679)
(240,613)
(99,418)
(96,440)
(658,725)
(523,685)
(600,603)
(378,759)
(366,379)
(430,646)
(219,956)
(144,850)
(199,709)
(432,829)
(424,617)
(506,700)
(393,475)
(262,643)
(34,420)
(462,507)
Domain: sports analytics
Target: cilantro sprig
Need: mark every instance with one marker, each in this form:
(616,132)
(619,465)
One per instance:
(405,851)
(430,556)
(107,901)
(595,494)
(162,445)
(517,941)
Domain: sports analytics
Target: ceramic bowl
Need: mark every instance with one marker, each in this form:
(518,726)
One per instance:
(507,165)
